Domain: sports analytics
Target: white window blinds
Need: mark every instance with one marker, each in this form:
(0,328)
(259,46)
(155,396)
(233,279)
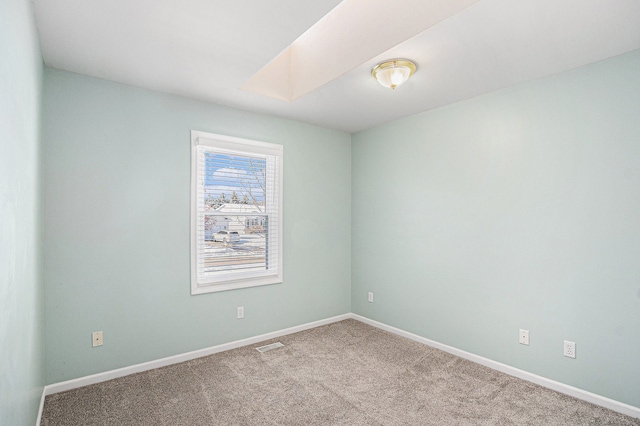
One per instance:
(236,213)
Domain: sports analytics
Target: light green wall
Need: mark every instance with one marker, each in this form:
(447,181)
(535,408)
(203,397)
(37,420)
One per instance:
(21,328)
(117,186)
(517,209)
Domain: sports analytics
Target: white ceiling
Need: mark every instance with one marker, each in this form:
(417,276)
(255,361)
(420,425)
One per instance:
(208,49)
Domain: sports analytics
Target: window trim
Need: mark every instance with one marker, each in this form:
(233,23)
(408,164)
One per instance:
(248,147)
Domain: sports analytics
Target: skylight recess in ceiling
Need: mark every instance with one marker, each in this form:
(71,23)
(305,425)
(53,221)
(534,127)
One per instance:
(351,34)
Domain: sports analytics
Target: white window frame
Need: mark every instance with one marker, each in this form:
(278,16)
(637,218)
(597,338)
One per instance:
(228,144)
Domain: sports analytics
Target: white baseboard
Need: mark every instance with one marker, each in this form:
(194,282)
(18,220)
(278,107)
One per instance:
(602,401)
(593,398)
(125,371)
(41,407)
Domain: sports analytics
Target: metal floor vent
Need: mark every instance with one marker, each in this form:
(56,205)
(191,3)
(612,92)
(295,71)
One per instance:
(266,348)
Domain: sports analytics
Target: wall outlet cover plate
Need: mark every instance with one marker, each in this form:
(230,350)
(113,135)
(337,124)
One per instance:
(97,339)
(569,349)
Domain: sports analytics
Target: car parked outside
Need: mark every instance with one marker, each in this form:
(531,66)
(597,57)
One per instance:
(226,236)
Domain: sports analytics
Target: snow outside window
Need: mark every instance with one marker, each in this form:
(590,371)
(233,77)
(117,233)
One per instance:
(236,213)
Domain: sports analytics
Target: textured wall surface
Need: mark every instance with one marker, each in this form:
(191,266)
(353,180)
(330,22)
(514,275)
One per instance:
(517,209)
(21,327)
(117,210)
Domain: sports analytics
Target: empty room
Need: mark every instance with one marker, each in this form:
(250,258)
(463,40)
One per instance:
(319,212)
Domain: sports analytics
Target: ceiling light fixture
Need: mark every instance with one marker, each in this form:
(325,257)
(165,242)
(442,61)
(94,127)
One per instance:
(394,72)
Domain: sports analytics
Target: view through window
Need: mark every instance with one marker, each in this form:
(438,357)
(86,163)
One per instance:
(235,222)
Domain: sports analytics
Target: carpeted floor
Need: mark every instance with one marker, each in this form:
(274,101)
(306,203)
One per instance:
(346,373)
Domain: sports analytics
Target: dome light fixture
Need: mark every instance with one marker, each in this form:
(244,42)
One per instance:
(394,72)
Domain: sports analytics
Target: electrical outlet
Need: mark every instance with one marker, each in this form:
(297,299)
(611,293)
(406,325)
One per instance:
(523,337)
(240,312)
(370,297)
(96,338)
(569,349)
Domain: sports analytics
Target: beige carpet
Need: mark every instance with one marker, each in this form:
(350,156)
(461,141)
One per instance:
(346,373)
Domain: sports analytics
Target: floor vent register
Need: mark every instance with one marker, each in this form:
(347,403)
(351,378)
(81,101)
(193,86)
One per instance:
(272,346)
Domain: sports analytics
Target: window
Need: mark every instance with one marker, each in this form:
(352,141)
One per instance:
(236,213)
